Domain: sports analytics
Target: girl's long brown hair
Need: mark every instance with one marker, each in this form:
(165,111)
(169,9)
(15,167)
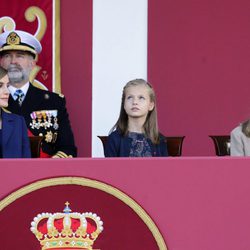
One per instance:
(151,124)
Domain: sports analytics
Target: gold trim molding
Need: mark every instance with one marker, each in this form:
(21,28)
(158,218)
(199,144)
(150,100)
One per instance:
(93,184)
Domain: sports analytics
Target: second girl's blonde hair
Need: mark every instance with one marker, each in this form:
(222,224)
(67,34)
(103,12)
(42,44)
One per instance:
(151,124)
(246,128)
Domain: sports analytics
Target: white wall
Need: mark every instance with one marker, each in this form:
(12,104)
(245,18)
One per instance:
(119,55)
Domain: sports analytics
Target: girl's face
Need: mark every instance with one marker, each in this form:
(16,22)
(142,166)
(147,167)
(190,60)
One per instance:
(137,101)
(4,92)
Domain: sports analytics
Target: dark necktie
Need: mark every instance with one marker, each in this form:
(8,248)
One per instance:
(19,96)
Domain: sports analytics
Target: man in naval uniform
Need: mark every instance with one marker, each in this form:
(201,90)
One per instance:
(45,112)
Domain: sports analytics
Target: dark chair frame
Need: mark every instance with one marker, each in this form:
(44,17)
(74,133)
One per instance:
(35,145)
(174,144)
(221,144)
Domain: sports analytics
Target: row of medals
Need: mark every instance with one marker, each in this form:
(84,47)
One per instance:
(44,119)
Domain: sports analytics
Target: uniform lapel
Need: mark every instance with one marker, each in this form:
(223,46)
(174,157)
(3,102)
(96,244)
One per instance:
(30,102)
(13,106)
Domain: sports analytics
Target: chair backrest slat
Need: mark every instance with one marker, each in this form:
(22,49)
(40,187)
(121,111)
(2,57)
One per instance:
(35,145)
(221,144)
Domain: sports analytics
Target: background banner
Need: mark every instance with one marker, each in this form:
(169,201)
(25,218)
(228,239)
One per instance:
(40,18)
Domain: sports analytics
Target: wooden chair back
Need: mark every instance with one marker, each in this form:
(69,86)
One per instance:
(35,145)
(174,145)
(221,144)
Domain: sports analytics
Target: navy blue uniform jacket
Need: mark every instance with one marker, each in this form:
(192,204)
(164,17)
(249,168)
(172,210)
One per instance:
(119,146)
(15,141)
(46,115)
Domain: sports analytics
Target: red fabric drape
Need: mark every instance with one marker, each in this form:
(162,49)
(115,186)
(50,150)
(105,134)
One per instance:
(16,10)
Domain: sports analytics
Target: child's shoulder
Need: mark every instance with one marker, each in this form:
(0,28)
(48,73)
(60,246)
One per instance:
(162,137)
(115,133)
(237,130)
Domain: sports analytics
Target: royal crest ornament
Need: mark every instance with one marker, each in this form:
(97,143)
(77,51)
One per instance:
(67,230)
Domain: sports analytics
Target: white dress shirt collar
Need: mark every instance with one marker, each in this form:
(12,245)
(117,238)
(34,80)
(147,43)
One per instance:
(24,88)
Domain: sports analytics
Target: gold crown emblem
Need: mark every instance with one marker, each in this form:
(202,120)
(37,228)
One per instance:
(13,39)
(67,230)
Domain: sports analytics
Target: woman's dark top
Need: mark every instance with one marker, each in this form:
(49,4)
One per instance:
(134,145)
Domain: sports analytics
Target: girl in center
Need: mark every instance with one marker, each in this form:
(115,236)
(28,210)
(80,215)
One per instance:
(135,133)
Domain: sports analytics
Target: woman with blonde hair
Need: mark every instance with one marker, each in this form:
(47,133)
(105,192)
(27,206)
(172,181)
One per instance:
(240,140)
(14,141)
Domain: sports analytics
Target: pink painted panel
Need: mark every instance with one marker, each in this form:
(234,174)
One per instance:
(197,203)
(198,61)
(76,65)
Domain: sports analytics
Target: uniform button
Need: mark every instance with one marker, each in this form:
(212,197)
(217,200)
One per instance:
(40,134)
